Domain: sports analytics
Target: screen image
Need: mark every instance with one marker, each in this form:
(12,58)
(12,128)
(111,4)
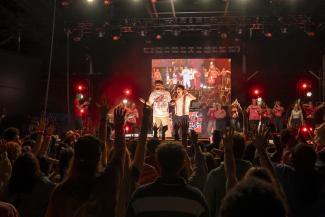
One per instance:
(208,79)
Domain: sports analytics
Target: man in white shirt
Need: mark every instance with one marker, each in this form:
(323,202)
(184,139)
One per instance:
(182,104)
(159,100)
(187,75)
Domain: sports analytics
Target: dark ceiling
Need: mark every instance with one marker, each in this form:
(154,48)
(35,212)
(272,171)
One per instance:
(31,20)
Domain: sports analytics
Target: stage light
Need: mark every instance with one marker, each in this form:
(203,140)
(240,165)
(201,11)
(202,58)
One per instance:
(304,85)
(158,36)
(101,34)
(82,111)
(125,101)
(107,2)
(80,87)
(223,35)
(65,3)
(116,37)
(127,129)
(309,94)
(304,129)
(268,34)
(311,34)
(127,92)
(284,30)
(256,92)
(90,1)
(81,96)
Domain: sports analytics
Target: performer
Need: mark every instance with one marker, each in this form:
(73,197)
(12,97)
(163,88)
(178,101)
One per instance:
(78,106)
(266,114)
(182,104)
(159,100)
(234,119)
(220,115)
(254,115)
(277,116)
(310,111)
(187,76)
(296,118)
(212,119)
(131,117)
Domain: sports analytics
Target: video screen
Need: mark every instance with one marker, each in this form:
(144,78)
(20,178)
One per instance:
(207,79)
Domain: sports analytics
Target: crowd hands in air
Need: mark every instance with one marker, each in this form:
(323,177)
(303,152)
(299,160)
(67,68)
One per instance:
(264,174)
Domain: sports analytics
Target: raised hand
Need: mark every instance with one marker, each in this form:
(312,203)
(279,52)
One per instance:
(146,111)
(104,108)
(261,137)
(50,129)
(42,124)
(119,117)
(228,139)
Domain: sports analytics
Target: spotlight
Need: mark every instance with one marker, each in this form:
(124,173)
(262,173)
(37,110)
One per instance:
(90,1)
(101,34)
(127,92)
(268,34)
(125,101)
(142,33)
(116,37)
(284,30)
(256,92)
(158,36)
(309,94)
(304,86)
(80,87)
(127,129)
(81,96)
(107,2)
(224,35)
(82,111)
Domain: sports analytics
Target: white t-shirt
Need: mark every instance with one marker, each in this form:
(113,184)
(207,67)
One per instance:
(159,99)
(179,105)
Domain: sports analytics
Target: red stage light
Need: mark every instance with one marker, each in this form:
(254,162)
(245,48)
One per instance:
(80,87)
(256,92)
(106,2)
(127,92)
(304,86)
(82,111)
(127,129)
(304,129)
(268,34)
(158,37)
(116,38)
(311,129)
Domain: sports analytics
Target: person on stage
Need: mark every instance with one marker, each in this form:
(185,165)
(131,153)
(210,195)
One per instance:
(182,104)
(159,99)
(277,115)
(310,110)
(220,115)
(131,117)
(296,118)
(235,109)
(254,115)
(187,76)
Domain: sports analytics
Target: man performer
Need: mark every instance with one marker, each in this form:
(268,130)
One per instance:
(159,100)
(182,104)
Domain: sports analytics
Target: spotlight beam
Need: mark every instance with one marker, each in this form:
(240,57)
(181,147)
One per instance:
(226,8)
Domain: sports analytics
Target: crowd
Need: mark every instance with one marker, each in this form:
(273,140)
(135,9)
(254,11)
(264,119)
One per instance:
(238,174)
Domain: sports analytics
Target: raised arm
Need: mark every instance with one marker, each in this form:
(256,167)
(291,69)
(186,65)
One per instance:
(260,144)
(141,147)
(230,165)
(103,131)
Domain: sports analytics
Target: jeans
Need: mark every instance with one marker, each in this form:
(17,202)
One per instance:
(235,124)
(278,124)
